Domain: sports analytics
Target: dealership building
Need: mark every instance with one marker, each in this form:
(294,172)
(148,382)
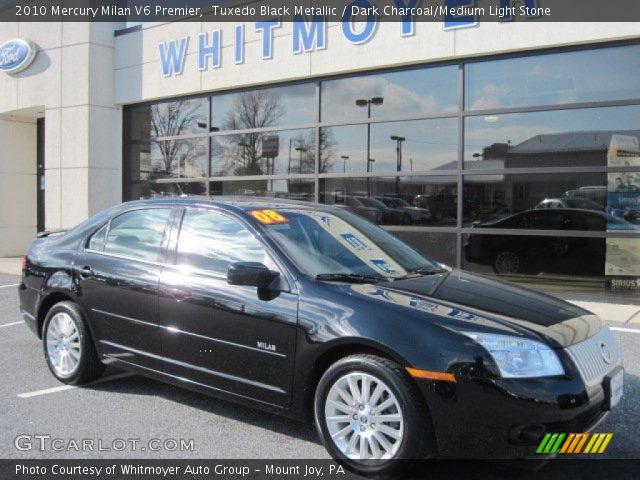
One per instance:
(502,147)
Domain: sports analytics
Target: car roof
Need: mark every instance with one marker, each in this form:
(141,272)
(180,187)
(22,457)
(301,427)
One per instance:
(230,202)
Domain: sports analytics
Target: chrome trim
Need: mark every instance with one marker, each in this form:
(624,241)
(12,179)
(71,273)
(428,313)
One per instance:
(187,380)
(225,342)
(123,317)
(588,359)
(184,332)
(234,378)
(26,314)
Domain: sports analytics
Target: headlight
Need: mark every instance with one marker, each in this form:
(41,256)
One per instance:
(519,357)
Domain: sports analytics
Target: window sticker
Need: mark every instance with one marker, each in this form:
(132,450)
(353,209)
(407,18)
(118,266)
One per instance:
(267,217)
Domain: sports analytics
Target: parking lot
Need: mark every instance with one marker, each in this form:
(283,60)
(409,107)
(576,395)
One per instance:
(130,407)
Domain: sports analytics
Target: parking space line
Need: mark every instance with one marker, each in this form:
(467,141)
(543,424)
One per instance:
(10,324)
(620,329)
(62,388)
(7,286)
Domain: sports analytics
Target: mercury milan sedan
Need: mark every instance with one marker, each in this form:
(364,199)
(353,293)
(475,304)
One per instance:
(313,312)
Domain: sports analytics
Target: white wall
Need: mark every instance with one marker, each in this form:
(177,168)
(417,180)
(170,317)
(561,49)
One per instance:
(138,75)
(70,83)
(17,185)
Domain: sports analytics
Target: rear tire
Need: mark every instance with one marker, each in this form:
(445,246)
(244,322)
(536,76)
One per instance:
(68,347)
(507,262)
(369,415)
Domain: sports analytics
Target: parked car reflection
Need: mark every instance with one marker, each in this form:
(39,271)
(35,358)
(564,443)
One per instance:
(577,202)
(410,215)
(509,254)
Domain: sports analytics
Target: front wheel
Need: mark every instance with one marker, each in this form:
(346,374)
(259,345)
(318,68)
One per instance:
(369,415)
(68,347)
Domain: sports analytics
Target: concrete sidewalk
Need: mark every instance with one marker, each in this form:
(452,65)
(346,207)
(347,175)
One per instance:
(611,308)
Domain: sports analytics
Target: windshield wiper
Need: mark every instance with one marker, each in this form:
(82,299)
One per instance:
(348,277)
(421,271)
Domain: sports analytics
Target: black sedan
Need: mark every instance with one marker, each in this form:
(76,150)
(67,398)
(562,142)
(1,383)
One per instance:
(313,312)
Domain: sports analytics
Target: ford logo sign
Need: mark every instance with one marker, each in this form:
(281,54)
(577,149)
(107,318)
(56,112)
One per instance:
(16,55)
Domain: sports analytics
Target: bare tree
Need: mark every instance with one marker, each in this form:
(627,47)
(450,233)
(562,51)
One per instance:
(251,110)
(173,119)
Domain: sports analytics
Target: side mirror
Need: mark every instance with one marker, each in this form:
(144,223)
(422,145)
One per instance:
(250,274)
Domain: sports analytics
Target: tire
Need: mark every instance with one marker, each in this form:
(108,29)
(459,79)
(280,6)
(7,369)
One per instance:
(406,219)
(413,432)
(507,262)
(68,346)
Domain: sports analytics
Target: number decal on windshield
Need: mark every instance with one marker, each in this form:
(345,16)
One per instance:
(267,217)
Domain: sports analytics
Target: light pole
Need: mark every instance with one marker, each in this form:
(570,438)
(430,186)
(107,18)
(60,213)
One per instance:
(344,162)
(363,102)
(398,141)
(301,150)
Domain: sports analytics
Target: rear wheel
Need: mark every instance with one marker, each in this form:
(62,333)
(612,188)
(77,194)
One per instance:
(507,262)
(369,415)
(68,347)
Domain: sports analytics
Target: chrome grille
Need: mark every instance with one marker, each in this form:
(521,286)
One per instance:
(589,359)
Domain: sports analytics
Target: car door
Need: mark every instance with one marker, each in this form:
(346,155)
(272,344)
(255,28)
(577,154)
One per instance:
(221,336)
(117,278)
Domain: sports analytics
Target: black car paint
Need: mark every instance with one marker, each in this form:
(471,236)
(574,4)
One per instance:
(199,332)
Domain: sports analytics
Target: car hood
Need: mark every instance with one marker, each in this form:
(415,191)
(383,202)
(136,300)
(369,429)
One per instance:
(559,322)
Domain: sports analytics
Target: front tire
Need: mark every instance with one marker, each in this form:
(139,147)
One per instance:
(68,346)
(369,414)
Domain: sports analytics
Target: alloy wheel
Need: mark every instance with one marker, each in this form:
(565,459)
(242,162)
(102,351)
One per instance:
(364,418)
(63,344)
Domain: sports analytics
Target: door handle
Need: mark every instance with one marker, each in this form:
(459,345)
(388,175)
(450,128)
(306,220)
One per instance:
(86,270)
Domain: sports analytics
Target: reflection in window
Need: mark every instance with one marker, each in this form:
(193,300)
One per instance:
(143,190)
(436,245)
(407,93)
(395,200)
(534,255)
(409,146)
(168,119)
(268,107)
(302,189)
(520,200)
(185,158)
(96,242)
(137,234)
(563,138)
(264,153)
(586,76)
(210,241)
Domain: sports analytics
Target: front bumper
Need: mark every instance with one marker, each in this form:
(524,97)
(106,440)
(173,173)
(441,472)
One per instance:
(506,419)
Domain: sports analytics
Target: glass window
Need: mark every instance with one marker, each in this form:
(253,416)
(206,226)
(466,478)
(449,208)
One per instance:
(210,241)
(137,234)
(264,153)
(584,76)
(409,146)
(425,91)
(623,198)
(534,255)
(268,107)
(436,245)
(302,189)
(184,158)
(568,201)
(167,119)
(581,137)
(96,242)
(142,190)
(414,200)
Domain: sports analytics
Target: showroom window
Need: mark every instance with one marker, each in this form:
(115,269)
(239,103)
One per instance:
(483,164)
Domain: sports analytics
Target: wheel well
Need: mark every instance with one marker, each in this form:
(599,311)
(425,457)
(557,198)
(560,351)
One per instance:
(46,305)
(327,359)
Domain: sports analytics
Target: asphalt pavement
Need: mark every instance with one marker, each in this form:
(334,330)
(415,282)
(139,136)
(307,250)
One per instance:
(164,421)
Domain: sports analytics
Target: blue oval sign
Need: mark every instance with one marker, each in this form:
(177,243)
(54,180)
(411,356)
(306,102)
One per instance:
(16,55)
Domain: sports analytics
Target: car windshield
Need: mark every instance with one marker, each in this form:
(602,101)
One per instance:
(341,243)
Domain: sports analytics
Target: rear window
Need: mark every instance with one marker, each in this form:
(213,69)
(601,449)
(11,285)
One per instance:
(137,234)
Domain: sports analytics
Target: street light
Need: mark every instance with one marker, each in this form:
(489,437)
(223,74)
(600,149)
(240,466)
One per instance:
(398,141)
(301,150)
(363,102)
(344,162)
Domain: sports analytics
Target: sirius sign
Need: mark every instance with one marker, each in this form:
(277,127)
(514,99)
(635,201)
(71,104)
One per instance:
(309,31)
(16,55)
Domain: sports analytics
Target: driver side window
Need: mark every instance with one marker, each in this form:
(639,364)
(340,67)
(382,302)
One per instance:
(210,241)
